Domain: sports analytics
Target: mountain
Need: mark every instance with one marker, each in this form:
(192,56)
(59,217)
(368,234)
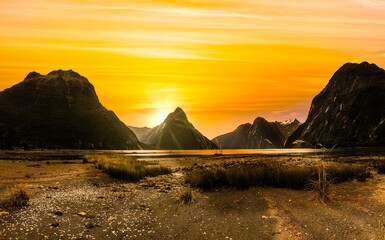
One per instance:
(140,132)
(59,110)
(349,111)
(287,127)
(260,134)
(176,132)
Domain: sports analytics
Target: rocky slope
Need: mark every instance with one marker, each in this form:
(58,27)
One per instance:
(287,127)
(140,132)
(59,110)
(349,111)
(176,132)
(260,134)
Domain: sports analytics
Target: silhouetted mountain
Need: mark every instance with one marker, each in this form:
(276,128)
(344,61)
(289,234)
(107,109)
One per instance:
(59,110)
(260,134)
(287,127)
(176,132)
(349,111)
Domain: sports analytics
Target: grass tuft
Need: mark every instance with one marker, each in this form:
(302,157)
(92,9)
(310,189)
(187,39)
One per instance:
(126,167)
(274,175)
(185,196)
(17,196)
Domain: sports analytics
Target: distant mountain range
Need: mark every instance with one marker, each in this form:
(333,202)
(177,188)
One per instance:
(349,111)
(59,110)
(260,134)
(176,132)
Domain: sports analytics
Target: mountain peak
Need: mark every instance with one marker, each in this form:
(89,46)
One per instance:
(32,75)
(290,121)
(178,114)
(259,120)
(176,132)
(178,109)
(66,74)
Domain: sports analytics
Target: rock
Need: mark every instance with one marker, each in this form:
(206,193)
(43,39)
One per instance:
(349,111)
(55,224)
(3,213)
(58,213)
(89,225)
(82,214)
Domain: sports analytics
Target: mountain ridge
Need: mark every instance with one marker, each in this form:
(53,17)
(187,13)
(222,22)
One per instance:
(259,134)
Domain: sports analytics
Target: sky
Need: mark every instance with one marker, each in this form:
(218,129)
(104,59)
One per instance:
(225,62)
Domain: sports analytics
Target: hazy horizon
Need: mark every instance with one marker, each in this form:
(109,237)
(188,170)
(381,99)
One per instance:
(223,62)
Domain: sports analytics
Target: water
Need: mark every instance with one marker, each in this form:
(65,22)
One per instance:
(76,154)
(177,153)
(271,152)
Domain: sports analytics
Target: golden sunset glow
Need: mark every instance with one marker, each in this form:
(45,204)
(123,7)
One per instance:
(224,62)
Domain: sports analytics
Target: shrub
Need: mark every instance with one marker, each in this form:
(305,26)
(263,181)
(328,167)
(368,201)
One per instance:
(185,196)
(17,196)
(128,168)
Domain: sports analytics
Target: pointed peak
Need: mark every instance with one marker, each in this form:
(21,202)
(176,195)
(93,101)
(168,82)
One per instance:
(290,121)
(32,75)
(178,114)
(178,109)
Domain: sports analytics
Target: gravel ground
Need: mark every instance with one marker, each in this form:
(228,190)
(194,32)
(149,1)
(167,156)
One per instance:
(77,201)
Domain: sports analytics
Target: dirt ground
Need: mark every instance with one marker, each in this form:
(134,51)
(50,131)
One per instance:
(150,209)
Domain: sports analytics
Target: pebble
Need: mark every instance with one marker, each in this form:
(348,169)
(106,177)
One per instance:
(55,224)
(89,225)
(58,213)
(82,214)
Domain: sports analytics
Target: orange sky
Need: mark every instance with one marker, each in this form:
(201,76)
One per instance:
(224,62)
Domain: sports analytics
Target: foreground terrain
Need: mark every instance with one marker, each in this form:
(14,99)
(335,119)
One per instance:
(74,200)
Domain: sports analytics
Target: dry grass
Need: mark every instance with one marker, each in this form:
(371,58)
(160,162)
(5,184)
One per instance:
(185,196)
(17,196)
(321,185)
(274,175)
(126,167)
(381,168)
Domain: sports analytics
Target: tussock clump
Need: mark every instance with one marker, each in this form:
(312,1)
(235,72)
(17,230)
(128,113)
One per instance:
(274,175)
(128,168)
(185,196)
(17,196)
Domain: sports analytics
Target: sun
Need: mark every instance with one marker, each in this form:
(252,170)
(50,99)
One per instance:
(159,117)
(163,100)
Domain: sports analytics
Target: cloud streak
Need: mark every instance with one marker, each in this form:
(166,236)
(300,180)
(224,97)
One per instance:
(248,57)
